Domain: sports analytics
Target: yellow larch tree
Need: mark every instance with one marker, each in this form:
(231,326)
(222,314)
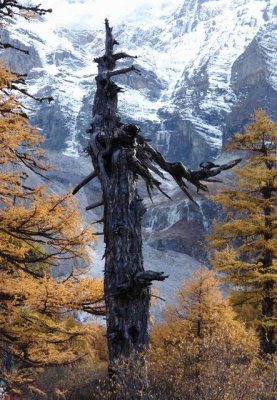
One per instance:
(245,242)
(200,350)
(39,231)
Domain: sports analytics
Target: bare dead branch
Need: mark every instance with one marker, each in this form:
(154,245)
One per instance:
(118,56)
(95,205)
(204,173)
(100,221)
(123,71)
(10,8)
(179,172)
(84,182)
(26,93)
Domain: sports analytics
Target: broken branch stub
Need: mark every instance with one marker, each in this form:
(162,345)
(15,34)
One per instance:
(147,277)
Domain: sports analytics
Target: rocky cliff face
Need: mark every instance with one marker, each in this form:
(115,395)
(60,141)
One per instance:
(254,79)
(213,85)
(205,68)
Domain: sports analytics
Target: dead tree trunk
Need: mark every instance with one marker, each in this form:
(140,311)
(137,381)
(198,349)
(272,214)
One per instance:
(120,155)
(127,300)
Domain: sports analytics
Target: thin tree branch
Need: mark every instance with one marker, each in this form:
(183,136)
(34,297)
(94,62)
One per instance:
(84,182)
(118,56)
(95,205)
(123,71)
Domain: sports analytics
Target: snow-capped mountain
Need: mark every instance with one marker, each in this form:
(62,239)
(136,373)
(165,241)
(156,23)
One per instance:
(196,64)
(205,67)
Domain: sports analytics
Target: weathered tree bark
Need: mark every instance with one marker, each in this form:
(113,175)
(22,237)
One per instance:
(127,301)
(120,155)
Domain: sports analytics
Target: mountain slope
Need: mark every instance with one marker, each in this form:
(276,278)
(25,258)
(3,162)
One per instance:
(205,67)
(191,73)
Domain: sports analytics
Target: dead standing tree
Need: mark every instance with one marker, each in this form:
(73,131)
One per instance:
(120,155)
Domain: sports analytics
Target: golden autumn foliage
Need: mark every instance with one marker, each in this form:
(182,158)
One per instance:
(201,351)
(39,231)
(245,243)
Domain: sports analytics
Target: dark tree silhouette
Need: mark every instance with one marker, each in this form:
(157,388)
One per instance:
(120,154)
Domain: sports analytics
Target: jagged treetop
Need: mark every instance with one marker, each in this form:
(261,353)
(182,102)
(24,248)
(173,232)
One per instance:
(109,134)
